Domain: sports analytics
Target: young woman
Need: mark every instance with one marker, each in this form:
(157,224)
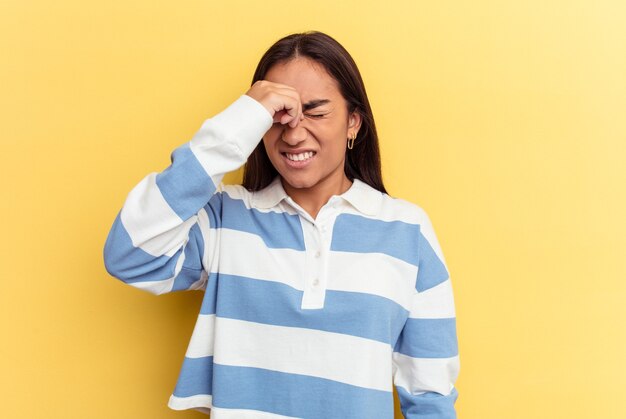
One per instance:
(321,291)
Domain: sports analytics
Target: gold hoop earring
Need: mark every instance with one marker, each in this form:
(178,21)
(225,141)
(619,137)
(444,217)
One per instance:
(351,140)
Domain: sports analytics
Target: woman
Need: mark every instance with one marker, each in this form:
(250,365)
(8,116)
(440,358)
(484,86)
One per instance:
(321,291)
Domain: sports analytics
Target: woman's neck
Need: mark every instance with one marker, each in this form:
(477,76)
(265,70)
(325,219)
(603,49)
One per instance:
(314,198)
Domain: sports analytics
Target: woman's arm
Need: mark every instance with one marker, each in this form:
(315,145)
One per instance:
(426,359)
(162,239)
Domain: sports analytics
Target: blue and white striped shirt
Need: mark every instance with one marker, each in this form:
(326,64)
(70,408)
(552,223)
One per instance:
(301,317)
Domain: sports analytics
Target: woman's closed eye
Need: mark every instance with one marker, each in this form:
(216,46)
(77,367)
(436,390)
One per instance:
(315,116)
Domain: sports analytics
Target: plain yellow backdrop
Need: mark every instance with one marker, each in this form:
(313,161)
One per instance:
(505,120)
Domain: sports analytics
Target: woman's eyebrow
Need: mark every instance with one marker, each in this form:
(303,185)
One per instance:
(314,104)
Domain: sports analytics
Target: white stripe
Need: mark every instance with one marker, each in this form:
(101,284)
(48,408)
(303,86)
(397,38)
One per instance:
(201,343)
(220,413)
(419,375)
(260,262)
(373,273)
(434,303)
(334,356)
(201,402)
(151,223)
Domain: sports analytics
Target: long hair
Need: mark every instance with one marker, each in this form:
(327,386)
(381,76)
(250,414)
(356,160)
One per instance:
(363,161)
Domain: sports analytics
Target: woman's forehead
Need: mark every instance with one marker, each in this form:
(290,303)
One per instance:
(309,78)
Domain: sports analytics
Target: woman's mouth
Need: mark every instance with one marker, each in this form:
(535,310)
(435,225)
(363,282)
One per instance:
(300,156)
(299,160)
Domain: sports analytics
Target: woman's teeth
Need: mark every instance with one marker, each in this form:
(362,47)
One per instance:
(299,157)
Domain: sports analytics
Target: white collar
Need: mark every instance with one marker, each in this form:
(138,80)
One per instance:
(360,195)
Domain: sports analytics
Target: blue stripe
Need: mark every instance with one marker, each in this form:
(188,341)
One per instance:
(428,338)
(279,230)
(353,233)
(196,377)
(431,271)
(357,314)
(185,184)
(428,405)
(132,264)
(296,395)
(210,295)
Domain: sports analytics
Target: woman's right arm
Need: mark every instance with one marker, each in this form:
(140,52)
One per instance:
(158,239)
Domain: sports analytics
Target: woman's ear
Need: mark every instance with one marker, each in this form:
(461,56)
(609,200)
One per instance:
(354,122)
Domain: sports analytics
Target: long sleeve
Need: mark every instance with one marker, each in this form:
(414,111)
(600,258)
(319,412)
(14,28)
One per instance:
(162,240)
(425,358)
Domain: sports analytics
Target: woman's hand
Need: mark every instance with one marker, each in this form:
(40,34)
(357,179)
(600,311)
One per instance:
(281,101)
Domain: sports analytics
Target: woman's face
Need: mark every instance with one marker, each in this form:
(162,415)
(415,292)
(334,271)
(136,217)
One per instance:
(312,154)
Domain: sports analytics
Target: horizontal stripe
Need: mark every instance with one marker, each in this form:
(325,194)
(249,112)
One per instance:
(200,402)
(428,405)
(353,233)
(150,222)
(297,395)
(201,344)
(428,338)
(257,261)
(432,270)
(185,185)
(195,377)
(373,273)
(304,351)
(425,374)
(278,230)
(434,303)
(355,314)
(219,413)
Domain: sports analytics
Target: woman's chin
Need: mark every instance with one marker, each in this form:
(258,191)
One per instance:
(298,183)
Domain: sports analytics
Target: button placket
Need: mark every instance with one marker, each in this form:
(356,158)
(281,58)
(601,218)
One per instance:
(317,242)
(313,294)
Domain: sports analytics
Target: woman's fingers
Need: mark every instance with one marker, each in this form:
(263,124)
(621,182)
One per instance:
(282,101)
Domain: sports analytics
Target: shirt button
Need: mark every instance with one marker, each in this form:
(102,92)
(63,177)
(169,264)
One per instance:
(316,282)
(317,254)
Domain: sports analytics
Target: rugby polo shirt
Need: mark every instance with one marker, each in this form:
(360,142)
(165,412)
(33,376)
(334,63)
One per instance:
(301,317)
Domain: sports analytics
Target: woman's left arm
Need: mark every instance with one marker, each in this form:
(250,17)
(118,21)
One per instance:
(426,357)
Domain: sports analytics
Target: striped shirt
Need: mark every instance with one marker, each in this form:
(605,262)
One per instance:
(301,317)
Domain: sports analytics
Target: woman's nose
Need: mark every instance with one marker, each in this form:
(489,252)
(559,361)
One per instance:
(294,136)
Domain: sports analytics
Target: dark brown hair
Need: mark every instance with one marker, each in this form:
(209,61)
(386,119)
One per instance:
(363,161)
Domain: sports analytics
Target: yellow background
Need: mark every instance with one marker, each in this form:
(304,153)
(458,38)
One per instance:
(506,121)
